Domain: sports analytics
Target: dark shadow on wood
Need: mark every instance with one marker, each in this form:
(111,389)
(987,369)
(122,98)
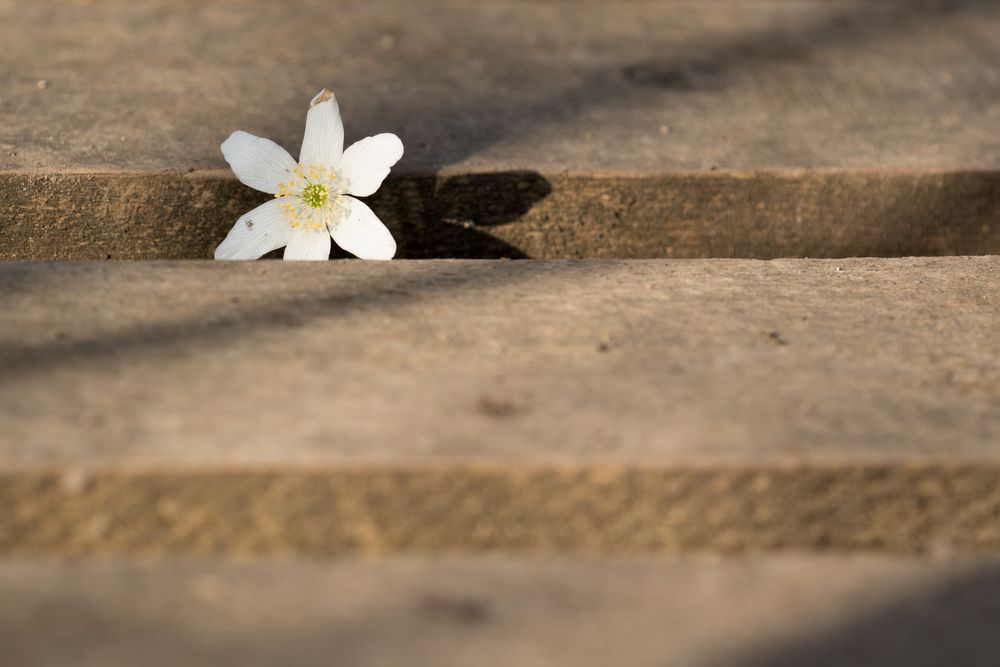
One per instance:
(323,298)
(956,622)
(487,117)
(435,217)
(718,65)
(451,216)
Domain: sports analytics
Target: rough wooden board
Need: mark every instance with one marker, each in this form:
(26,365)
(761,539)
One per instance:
(554,406)
(789,611)
(209,362)
(639,86)
(522,213)
(615,114)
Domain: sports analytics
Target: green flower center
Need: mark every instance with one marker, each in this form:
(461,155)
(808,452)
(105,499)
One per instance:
(314,194)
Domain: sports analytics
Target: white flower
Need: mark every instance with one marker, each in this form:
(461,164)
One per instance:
(311,198)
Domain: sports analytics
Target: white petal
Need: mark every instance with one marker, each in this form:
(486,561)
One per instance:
(256,233)
(361,233)
(308,245)
(323,143)
(259,163)
(367,162)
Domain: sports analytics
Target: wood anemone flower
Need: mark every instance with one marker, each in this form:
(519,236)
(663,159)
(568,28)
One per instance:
(312,198)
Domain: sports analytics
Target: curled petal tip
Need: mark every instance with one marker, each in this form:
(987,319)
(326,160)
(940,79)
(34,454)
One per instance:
(321,96)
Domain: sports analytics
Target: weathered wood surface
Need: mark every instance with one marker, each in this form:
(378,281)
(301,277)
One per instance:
(598,405)
(524,214)
(642,85)
(487,611)
(547,129)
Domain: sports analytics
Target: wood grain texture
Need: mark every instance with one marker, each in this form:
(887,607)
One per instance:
(821,128)
(555,406)
(636,86)
(522,214)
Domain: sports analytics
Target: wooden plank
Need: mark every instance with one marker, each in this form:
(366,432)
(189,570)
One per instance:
(491,611)
(595,405)
(503,85)
(552,129)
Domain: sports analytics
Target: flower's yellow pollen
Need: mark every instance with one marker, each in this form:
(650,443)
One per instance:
(312,198)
